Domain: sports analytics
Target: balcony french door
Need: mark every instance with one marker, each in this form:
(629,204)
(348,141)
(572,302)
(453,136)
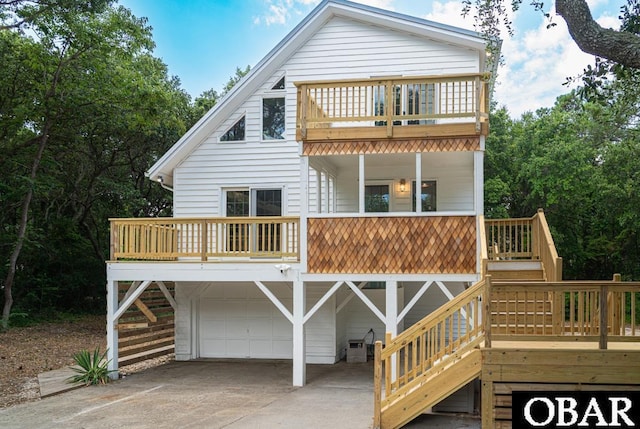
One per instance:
(250,237)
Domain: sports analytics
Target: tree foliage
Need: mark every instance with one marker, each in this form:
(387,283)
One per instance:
(579,161)
(619,47)
(84,110)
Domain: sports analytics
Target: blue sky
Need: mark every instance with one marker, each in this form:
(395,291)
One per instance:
(203,41)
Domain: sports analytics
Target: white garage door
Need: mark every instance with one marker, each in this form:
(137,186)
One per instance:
(240,323)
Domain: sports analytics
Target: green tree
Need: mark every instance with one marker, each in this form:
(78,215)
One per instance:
(87,109)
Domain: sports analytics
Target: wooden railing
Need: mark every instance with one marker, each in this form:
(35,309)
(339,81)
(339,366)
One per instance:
(510,238)
(427,347)
(205,238)
(602,312)
(545,248)
(596,311)
(524,238)
(484,250)
(388,103)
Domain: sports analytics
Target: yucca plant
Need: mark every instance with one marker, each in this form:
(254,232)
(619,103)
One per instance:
(92,367)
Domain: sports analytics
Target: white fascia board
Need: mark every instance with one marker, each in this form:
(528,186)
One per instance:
(410,24)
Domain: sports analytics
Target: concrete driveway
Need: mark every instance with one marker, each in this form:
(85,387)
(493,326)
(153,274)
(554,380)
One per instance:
(220,394)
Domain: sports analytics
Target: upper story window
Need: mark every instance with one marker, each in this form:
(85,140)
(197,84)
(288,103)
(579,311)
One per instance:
(376,198)
(273,118)
(428,195)
(235,133)
(279,84)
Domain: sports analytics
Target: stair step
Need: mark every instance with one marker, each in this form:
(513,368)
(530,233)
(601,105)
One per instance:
(514,265)
(517,275)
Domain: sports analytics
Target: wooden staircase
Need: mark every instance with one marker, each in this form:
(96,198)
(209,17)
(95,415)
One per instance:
(427,363)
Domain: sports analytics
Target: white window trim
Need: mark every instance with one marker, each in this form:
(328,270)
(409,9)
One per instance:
(231,126)
(251,189)
(389,183)
(270,89)
(273,95)
(412,195)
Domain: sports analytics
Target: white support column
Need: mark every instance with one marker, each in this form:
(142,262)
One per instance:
(418,197)
(391,322)
(361,183)
(304,210)
(327,192)
(478,197)
(391,307)
(299,352)
(112,332)
(319,191)
(478,181)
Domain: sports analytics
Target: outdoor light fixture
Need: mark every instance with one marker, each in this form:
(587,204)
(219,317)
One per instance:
(160,179)
(402,185)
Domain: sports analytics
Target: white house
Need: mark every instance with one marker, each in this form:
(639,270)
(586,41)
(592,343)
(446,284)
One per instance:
(334,194)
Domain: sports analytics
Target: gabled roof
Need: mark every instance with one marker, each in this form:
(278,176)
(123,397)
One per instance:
(325,11)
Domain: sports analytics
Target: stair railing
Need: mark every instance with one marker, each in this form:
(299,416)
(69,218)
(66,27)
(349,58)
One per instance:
(545,248)
(428,347)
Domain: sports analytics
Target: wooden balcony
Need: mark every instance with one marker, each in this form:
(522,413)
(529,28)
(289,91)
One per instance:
(205,239)
(395,107)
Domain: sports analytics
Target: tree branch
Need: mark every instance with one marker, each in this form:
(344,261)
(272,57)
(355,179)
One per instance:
(618,46)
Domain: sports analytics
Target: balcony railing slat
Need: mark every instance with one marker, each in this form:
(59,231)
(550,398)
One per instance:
(205,238)
(392,102)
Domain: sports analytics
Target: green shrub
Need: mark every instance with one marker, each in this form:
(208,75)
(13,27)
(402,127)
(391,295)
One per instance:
(92,368)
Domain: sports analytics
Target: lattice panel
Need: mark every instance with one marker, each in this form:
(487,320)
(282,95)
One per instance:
(390,146)
(400,245)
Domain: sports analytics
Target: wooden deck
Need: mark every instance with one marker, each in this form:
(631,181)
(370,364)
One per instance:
(583,335)
(393,108)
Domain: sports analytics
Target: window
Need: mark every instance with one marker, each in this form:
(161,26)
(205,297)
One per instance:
(273,118)
(237,203)
(376,198)
(254,237)
(428,195)
(279,84)
(235,133)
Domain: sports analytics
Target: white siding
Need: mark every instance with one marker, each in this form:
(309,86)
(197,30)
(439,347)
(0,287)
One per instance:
(341,49)
(356,319)
(453,172)
(429,302)
(205,302)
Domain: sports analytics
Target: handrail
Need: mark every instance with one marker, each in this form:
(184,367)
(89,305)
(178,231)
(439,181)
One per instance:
(600,312)
(484,250)
(596,311)
(524,238)
(165,239)
(388,102)
(429,345)
(546,248)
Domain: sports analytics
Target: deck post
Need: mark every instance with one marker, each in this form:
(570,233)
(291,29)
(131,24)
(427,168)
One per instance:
(604,317)
(486,317)
(112,332)
(299,358)
(377,385)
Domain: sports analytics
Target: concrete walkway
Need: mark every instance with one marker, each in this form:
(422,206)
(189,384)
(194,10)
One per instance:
(219,394)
